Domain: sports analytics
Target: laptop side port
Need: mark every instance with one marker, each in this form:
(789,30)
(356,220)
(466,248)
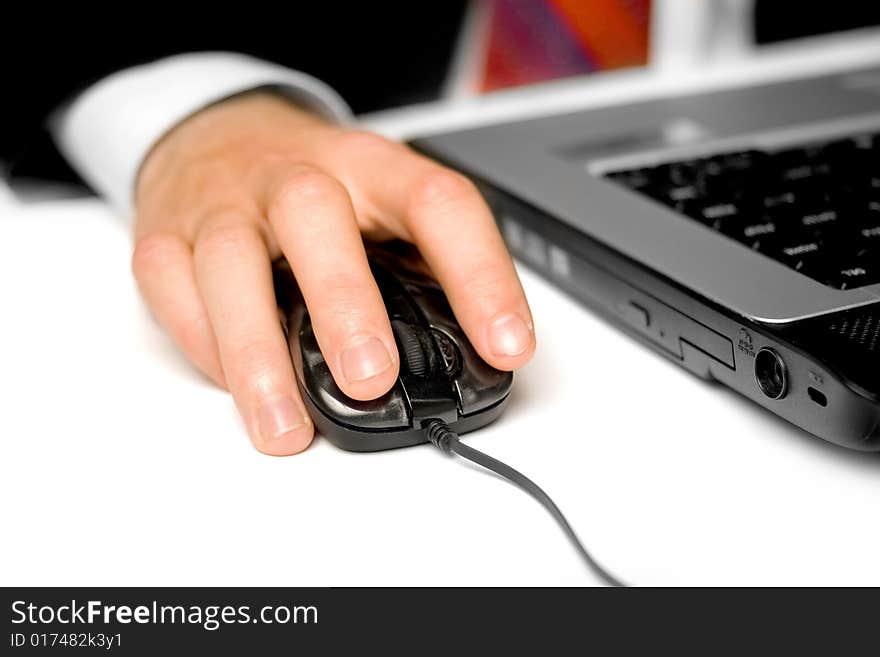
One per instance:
(817,396)
(771,376)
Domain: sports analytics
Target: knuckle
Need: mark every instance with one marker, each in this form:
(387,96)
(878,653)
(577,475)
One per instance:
(353,288)
(363,142)
(487,284)
(349,283)
(252,351)
(152,252)
(348,294)
(305,186)
(254,364)
(440,188)
(193,333)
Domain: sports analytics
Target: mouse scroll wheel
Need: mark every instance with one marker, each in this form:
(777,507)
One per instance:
(410,341)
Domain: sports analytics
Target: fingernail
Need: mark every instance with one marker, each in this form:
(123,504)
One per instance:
(279,417)
(365,359)
(509,335)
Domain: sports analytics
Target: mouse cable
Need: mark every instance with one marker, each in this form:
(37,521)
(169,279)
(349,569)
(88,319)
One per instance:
(445,439)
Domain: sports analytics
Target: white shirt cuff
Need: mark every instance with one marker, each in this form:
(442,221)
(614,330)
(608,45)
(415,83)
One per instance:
(108,130)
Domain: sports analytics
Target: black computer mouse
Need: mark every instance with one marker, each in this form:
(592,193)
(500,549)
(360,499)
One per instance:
(441,375)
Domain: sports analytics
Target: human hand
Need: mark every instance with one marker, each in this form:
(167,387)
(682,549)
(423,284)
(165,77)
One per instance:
(253,178)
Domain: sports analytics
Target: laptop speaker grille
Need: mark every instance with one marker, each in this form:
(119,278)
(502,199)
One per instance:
(863,330)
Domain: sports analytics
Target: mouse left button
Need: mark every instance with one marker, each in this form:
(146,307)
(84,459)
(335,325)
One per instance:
(316,381)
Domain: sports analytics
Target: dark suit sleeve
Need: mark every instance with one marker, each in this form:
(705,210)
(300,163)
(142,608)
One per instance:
(374,54)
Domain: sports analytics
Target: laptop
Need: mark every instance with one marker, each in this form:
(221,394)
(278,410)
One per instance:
(736,232)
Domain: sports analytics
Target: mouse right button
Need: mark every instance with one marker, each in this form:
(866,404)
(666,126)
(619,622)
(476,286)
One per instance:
(449,354)
(477,384)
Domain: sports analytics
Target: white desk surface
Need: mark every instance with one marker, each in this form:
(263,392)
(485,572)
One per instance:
(119,465)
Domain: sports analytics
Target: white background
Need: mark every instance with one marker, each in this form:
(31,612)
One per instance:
(119,465)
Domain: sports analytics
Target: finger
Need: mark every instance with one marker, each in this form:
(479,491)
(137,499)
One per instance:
(234,274)
(446,217)
(313,221)
(163,267)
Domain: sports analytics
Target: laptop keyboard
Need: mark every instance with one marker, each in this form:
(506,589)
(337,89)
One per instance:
(815,209)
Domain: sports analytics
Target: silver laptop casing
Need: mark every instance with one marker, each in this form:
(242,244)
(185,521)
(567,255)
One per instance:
(555,163)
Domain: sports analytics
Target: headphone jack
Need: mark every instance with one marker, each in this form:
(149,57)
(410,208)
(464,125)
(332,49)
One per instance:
(771,376)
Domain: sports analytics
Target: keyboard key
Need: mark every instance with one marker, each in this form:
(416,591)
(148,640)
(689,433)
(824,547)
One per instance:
(850,275)
(804,171)
(751,233)
(796,251)
(674,196)
(802,255)
(779,199)
(683,193)
(870,234)
(718,211)
(820,219)
(636,179)
(741,161)
(717,214)
(814,208)
(678,173)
